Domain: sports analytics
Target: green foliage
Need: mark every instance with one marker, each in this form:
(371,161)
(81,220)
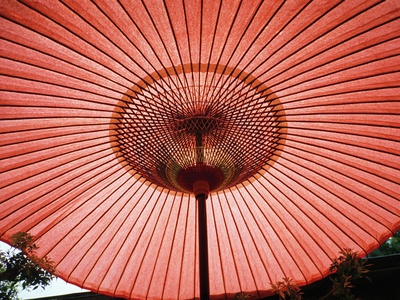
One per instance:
(287,290)
(390,247)
(18,271)
(243,296)
(347,267)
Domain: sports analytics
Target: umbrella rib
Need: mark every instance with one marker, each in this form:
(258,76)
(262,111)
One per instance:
(184,247)
(211,50)
(227,79)
(50,157)
(245,186)
(188,43)
(320,36)
(365,88)
(321,113)
(91,44)
(288,228)
(377,149)
(222,51)
(94,176)
(58,127)
(112,112)
(65,45)
(165,48)
(265,46)
(222,272)
(332,47)
(339,70)
(47,108)
(332,93)
(172,246)
(141,184)
(157,257)
(52,132)
(327,203)
(61,86)
(43,172)
(55,72)
(59,72)
(310,43)
(70,87)
(45,97)
(263,234)
(299,158)
(75,88)
(94,222)
(270,40)
(200,33)
(178,96)
(127,201)
(326,63)
(337,103)
(57,118)
(147,187)
(81,67)
(129,257)
(203,94)
(148,245)
(337,93)
(338,161)
(294,203)
(59,208)
(343,200)
(59,43)
(253,217)
(232,252)
(282,97)
(240,236)
(122,50)
(256,37)
(69,152)
(297,221)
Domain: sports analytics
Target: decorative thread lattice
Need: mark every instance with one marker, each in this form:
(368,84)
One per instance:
(211,123)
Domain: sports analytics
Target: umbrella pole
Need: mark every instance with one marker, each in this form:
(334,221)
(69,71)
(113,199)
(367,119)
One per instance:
(200,187)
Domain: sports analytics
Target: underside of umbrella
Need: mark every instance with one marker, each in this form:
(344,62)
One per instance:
(283,116)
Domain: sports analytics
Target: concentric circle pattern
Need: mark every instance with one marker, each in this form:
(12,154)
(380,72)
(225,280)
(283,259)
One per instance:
(206,123)
(111,110)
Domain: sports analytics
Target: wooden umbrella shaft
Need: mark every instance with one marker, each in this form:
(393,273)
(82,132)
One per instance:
(203,247)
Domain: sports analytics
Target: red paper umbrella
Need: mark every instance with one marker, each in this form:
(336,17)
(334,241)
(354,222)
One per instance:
(280,117)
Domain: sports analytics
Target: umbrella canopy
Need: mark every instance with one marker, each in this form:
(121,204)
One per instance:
(112,111)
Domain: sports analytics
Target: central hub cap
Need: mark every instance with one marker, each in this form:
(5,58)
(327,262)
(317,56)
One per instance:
(191,124)
(213,176)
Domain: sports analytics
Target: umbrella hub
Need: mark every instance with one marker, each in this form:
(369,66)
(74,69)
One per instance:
(200,179)
(201,188)
(198,123)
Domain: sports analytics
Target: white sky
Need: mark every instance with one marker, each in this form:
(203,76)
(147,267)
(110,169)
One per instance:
(56,287)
